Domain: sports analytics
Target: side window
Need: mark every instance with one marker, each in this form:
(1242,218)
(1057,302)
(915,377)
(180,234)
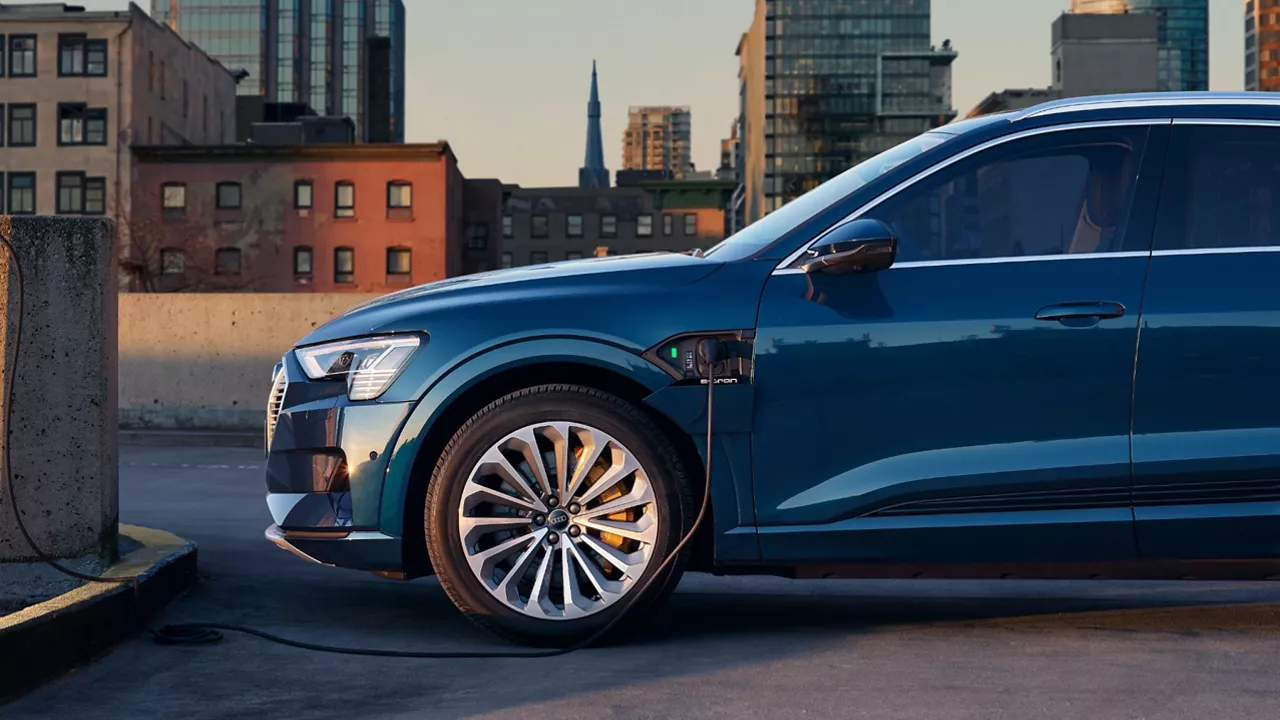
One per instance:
(1059,193)
(1230,194)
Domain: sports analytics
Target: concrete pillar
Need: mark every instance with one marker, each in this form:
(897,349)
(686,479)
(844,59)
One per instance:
(63,430)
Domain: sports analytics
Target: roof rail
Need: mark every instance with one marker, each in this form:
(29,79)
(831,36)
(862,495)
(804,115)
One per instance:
(1109,102)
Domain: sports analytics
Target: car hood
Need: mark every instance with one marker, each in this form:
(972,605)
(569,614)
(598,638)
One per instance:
(407,309)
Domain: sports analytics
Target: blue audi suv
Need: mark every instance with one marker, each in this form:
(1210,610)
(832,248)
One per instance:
(1044,343)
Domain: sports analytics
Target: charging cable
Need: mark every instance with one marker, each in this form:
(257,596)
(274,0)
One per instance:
(711,351)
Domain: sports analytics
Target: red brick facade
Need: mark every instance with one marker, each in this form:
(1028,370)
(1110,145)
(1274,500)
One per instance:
(357,218)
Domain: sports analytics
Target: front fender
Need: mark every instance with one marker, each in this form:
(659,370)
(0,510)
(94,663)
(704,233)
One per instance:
(468,373)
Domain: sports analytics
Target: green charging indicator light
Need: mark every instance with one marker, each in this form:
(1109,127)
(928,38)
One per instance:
(675,353)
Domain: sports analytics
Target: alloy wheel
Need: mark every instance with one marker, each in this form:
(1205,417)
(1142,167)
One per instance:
(558,520)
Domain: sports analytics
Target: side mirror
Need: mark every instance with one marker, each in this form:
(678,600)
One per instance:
(862,245)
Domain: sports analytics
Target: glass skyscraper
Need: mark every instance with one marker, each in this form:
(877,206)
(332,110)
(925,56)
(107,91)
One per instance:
(843,80)
(323,53)
(1183,37)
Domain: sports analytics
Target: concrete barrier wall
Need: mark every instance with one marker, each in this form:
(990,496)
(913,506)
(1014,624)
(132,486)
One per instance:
(203,361)
(62,440)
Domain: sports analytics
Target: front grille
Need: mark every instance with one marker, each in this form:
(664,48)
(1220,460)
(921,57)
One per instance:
(275,402)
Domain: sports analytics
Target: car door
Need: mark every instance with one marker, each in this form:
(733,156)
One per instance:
(1206,444)
(971,402)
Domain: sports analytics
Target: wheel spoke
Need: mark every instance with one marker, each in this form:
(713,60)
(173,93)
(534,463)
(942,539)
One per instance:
(533,456)
(641,494)
(476,494)
(590,455)
(614,475)
(637,531)
(559,438)
(603,587)
(473,528)
(483,561)
(574,602)
(611,555)
(541,592)
(495,460)
(508,585)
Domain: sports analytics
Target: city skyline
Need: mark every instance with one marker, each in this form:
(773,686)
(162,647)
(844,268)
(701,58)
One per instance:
(506,89)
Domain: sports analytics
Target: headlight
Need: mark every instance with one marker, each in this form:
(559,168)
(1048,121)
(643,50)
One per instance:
(369,366)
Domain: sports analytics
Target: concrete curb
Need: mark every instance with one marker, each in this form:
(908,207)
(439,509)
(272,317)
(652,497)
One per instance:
(44,641)
(192,438)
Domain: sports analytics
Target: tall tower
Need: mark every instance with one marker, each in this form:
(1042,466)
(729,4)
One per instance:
(1183,37)
(594,174)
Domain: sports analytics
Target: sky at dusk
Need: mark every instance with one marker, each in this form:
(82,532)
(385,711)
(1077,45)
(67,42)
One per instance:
(506,81)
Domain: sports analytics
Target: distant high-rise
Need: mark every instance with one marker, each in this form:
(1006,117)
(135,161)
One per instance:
(659,138)
(1183,37)
(1262,45)
(825,86)
(323,53)
(593,173)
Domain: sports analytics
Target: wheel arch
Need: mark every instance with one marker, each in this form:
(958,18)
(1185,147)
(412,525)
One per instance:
(476,383)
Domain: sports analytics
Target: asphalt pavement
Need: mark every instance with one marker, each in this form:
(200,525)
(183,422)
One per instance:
(723,647)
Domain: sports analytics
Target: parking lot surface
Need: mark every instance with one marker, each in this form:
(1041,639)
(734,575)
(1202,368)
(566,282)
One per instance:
(723,647)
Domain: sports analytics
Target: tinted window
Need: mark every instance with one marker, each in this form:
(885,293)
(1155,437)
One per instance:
(1232,188)
(1059,193)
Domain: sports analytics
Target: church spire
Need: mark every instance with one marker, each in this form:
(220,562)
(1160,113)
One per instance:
(593,173)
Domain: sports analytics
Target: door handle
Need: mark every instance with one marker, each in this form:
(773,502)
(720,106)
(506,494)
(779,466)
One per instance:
(1074,312)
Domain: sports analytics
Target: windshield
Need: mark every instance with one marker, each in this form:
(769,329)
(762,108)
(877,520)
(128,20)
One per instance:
(772,226)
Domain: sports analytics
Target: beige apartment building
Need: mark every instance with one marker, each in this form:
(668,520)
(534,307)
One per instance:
(659,138)
(78,89)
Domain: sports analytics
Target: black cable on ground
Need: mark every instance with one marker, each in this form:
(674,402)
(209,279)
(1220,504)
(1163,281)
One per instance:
(205,633)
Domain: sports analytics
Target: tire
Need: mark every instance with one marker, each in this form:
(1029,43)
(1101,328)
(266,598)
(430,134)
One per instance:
(525,595)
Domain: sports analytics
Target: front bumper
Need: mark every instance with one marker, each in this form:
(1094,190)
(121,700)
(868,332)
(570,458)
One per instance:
(358,550)
(326,461)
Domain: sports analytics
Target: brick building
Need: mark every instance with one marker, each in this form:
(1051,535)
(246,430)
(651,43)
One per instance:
(319,218)
(550,224)
(78,88)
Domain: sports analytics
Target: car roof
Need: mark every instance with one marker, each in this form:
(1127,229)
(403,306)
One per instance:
(1224,105)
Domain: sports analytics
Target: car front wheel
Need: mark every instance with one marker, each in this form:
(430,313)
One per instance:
(549,511)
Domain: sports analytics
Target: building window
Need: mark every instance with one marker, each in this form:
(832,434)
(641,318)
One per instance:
(164,81)
(22,56)
(71,55)
(507,227)
(538,229)
(77,55)
(22,125)
(22,193)
(151,71)
(574,227)
(302,261)
(344,200)
(668,225)
(537,257)
(80,125)
(227,261)
(644,226)
(228,196)
(344,265)
(95,196)
(304,195)
(3,45)
(690,225)
(95,63)
(172,261)
(186,100)
(70,193)
(609,226)
(573,255)
(507,259)
(399,261)
(478,237)
(173,199)
(399,195)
